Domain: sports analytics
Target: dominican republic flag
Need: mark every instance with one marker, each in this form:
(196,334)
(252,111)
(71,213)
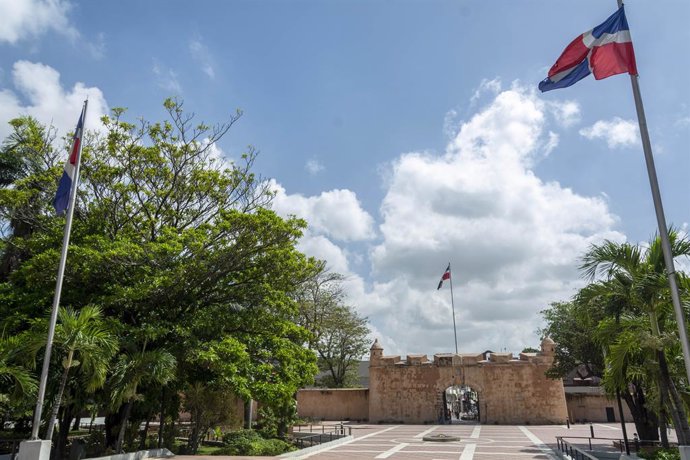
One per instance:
(61,200)
(605,50)
(445,276)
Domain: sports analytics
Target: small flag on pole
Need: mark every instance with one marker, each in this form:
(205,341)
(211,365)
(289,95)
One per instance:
(604,51)
(445,276)
(61,200)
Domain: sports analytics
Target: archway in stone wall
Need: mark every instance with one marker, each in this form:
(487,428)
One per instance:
(461,405)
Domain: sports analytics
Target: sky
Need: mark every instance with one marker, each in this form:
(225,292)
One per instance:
(408,133)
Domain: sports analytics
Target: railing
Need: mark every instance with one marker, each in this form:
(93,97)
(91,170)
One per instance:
(618,444)
(574,452)
(9,446)
(335,432)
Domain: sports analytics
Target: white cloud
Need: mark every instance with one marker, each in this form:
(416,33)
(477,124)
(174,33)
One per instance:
(313,166)
(96,47)
(202,55)
(492,87)
(513,239)
(566,113)
(22,19)
(617,132)
(450,124)
(166,78)
(47,101)
(551,143)
(336,214)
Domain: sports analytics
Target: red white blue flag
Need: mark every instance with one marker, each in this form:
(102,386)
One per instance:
(68,178)
(445,276)
(604,51)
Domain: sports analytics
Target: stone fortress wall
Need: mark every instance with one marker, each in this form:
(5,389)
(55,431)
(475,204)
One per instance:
(510,391)
(410,390)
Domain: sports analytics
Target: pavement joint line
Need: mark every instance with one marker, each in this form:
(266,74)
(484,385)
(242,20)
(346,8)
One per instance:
(424,433)
(606,426)
(475,432)
(538,442)
(468,452)
(348,442)
(392,450)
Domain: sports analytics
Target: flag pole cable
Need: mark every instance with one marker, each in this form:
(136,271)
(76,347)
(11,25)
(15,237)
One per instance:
(452,303)
(661,219)
(58,287)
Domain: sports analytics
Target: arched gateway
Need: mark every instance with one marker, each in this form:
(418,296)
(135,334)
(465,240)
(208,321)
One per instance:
(510,391)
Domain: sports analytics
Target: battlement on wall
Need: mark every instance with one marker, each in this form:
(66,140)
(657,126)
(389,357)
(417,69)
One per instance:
(545,356)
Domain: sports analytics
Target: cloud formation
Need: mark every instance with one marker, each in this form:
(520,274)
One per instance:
(616,132)
(513,239)
(336,214)
(166,78)
(313,167)
(47,100)
(23,19)
(202,55)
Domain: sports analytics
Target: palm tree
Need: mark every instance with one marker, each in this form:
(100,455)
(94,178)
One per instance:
(14,378)
(88,344)
(636,280)
(156,367)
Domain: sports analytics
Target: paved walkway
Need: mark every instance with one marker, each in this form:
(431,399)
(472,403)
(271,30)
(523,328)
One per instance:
(477,442)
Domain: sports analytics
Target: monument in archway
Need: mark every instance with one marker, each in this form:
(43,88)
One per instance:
(510,391)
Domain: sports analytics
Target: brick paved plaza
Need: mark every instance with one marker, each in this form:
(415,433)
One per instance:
(478,442)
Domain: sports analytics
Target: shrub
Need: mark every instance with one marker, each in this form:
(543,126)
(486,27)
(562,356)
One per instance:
(660,454)
(249,442)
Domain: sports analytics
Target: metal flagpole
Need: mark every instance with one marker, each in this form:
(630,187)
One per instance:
(452,303)
(58,287)
(661,220)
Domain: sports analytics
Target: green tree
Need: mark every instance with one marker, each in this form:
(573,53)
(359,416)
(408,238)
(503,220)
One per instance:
(87,344)
(130,370)
(637,282)
(175,246)
(342,343)
(17,382)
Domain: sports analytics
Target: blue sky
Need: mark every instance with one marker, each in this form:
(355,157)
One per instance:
(408,133)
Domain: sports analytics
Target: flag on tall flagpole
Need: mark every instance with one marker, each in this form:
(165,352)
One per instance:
(604,51)
(61,200)
(445,276)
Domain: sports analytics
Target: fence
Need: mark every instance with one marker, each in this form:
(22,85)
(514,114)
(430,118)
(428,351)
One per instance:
(304,438)
(9,448)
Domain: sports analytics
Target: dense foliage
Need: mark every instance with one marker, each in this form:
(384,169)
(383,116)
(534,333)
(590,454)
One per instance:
(188,283)
(621,328)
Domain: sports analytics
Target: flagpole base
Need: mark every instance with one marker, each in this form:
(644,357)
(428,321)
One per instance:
(684,452)
(38,449)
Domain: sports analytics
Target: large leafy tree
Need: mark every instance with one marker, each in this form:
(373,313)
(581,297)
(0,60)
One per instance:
(176,246)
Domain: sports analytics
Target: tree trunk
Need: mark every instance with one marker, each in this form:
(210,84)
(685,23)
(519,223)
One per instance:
(77,422)
(145,433)
(123,427)
(662,429)
(112,424)
(65,414)
(248,414)
(58,398)
(161,422)
(646,423)
(680,421)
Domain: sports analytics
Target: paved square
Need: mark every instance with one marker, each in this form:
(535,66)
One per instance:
(477,442)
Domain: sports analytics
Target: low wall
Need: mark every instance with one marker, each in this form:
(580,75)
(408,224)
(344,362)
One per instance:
(333,403)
